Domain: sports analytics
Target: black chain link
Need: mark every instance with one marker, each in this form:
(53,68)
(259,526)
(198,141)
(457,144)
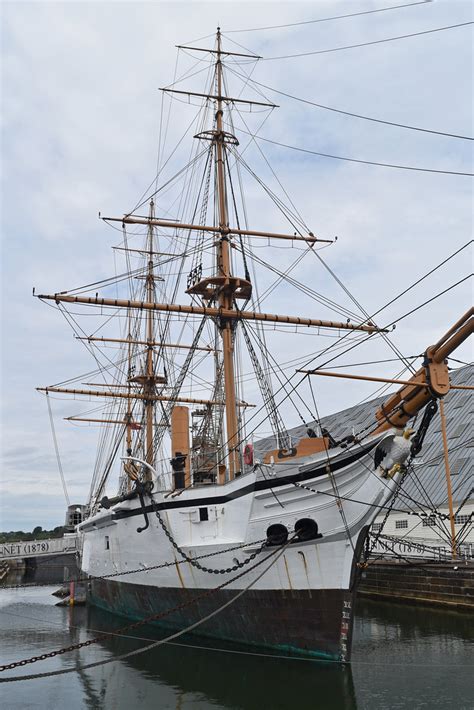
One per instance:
(400,556)
(193,560)
(137,624)
(369,549)
(372,539)
(81,580)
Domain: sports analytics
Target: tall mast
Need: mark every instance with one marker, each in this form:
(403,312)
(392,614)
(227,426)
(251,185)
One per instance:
(149,380)
(225,297)
(129,402)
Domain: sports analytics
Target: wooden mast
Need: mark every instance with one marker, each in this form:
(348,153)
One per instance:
(149,385)
(129,403)
(225,297)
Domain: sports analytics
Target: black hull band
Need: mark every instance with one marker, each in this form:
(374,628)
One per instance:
(314,623)
(262,485)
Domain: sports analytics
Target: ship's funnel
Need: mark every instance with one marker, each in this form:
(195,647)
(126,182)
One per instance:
(180,446)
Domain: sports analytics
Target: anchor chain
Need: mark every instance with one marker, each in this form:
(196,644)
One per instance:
(136,624)
(133,571)
(193,561)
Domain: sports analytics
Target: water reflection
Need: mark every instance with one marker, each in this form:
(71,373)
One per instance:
(404,658)
(176,675)
(412,657)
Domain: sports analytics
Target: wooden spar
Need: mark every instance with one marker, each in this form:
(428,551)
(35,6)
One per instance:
(455,339)
(129,403)
(448,477)
(310,239)
(128,424)
(225,298)
(107,384)
(137,395)
(412,397)
(366,378)
(143,342)
(144,251)
(464,318)
(220,98)
(149,387)
(212,312)
(214,51)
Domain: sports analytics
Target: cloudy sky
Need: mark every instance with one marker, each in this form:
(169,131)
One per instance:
(81,112)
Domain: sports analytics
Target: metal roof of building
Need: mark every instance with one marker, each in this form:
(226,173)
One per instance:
(426,484)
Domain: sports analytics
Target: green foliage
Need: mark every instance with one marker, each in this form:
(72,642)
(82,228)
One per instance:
(37,534)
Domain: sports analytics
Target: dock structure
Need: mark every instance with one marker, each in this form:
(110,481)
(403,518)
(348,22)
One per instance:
(426,583)
(38,548)
(422,551)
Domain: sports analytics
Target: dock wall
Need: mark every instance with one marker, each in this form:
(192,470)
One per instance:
(51,570)
(447,584)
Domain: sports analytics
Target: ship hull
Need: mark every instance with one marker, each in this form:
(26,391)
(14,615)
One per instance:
(144,560)
(313,623)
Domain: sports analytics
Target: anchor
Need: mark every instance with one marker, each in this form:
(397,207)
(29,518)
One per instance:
(140,490)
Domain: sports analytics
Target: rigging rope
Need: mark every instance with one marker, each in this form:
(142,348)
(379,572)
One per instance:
(358,160)
(276,554)
(56,449)
(366,44)
(279,429)
(332,478)
(350,113)
(326,19)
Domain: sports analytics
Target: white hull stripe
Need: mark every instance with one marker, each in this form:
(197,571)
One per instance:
(245,490)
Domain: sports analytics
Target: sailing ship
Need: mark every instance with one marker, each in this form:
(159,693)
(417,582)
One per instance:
(204,517)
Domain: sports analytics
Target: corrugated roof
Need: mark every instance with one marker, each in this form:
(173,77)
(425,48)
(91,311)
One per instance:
(427,483)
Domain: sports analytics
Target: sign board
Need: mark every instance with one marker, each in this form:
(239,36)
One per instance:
(38,548)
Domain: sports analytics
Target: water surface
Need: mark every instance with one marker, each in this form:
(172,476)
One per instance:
(403,658)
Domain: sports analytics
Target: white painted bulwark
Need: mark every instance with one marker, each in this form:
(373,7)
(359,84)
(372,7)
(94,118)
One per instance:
(111,543)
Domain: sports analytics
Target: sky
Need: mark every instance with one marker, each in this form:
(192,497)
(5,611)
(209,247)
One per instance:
(81,113)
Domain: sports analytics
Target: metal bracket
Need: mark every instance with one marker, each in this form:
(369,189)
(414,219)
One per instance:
(142,489)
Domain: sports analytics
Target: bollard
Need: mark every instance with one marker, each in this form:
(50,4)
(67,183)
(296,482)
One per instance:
(71,594)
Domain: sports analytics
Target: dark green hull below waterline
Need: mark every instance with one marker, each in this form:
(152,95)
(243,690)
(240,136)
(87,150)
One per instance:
(312,623)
